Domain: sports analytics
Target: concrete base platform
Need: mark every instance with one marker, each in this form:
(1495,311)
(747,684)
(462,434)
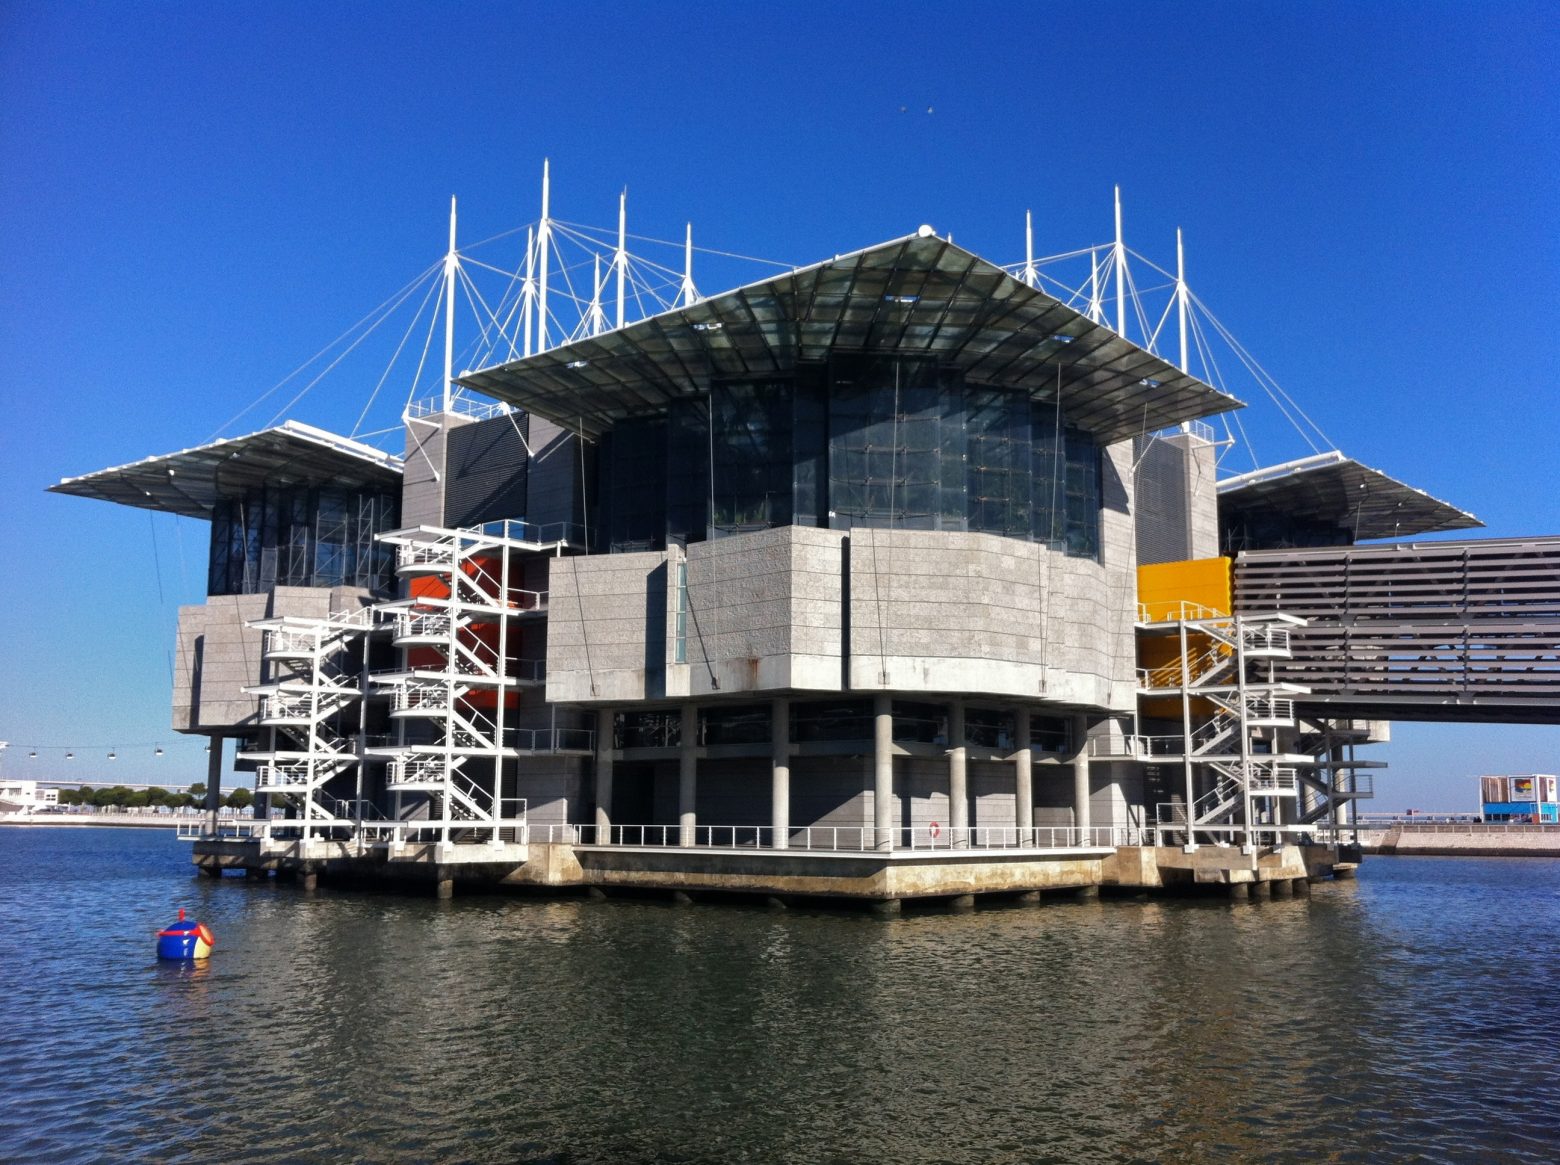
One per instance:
(958,876)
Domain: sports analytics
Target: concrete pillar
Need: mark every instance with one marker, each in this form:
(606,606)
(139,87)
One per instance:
(780,773)
(1083,812)
(958,779)
(1283,888)
(1030,898)
(1023,779)
(688,777)
(961,903)
(883,772)
(214,784)
(1301,887)
(604,748)
(444,887)
(1087,893)
(886,906)
(1262,889)
(1238,891)
(309,879)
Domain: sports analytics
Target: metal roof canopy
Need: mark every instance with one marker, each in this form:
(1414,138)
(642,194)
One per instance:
(191,481)
(919,296)
(1334,488)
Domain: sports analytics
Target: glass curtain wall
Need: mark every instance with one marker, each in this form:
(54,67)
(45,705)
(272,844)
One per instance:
(874,442)
(302,537)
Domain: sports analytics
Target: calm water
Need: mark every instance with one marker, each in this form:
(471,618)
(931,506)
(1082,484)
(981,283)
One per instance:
(1414,1014)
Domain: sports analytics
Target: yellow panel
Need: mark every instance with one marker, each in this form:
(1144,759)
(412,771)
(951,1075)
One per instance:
(1198,583)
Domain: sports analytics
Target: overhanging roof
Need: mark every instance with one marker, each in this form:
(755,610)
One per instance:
(192,481)
(917,296)
(1330,487)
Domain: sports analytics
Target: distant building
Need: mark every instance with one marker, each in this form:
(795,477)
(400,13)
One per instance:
(1525,797)
(26,797)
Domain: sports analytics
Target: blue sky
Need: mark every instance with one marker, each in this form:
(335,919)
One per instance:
(196,198)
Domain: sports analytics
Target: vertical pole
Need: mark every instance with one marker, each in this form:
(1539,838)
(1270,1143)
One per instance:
(688,777)
(1121,273)
(1023,778)
(688,295)
(620,260)
(449,314)
(1180,292)
(1031,276)
(543,245)
(780,773)
(528,290)
(1186,737)
(1096,312)
(1083,813)
(958,779)
(604,757)
(883,771)
(214,785)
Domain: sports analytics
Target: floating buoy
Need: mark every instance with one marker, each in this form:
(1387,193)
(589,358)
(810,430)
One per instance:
(185,940)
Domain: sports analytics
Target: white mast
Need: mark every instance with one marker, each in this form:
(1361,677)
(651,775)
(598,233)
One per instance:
(620,259)
(1180,292)
(1031,276)
(1096,309)
(528,289)
(595,318)
(688,295)
(449,314)
(1121,273)
(543,241)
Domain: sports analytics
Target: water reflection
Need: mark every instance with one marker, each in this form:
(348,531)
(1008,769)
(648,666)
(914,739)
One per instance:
(1408,1014)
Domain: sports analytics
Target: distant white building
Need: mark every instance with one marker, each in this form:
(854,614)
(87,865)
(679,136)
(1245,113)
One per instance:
(26,797)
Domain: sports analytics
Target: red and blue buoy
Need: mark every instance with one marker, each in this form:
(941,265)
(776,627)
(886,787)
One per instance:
(185,940)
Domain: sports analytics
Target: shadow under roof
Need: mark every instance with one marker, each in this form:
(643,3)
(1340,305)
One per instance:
(919,296)
(192,481)
(1331,487)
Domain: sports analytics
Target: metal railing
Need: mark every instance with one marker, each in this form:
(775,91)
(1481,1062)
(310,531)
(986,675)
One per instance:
(1178,612)
(841,838)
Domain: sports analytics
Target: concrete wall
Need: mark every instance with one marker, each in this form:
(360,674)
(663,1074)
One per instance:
(422,484)
(218,656)
(803,609)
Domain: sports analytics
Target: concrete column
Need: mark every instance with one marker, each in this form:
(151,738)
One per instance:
(688,777)
(309,879)
(1023,779)
(214,783)
(883,772)
(444,885)
(780,773)
(604,744)
(958,779)
(1083,813)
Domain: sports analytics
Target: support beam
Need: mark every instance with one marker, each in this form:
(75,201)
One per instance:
(958,779)
(780,774)
(1083,811)
(883,772)
(604,748)
(688,777)
(214,785)
(1023,779)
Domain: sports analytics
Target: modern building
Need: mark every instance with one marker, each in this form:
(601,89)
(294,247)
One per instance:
(888,577)
(1529,798)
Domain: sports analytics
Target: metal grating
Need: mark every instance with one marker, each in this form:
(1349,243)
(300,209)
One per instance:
(1466,630)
